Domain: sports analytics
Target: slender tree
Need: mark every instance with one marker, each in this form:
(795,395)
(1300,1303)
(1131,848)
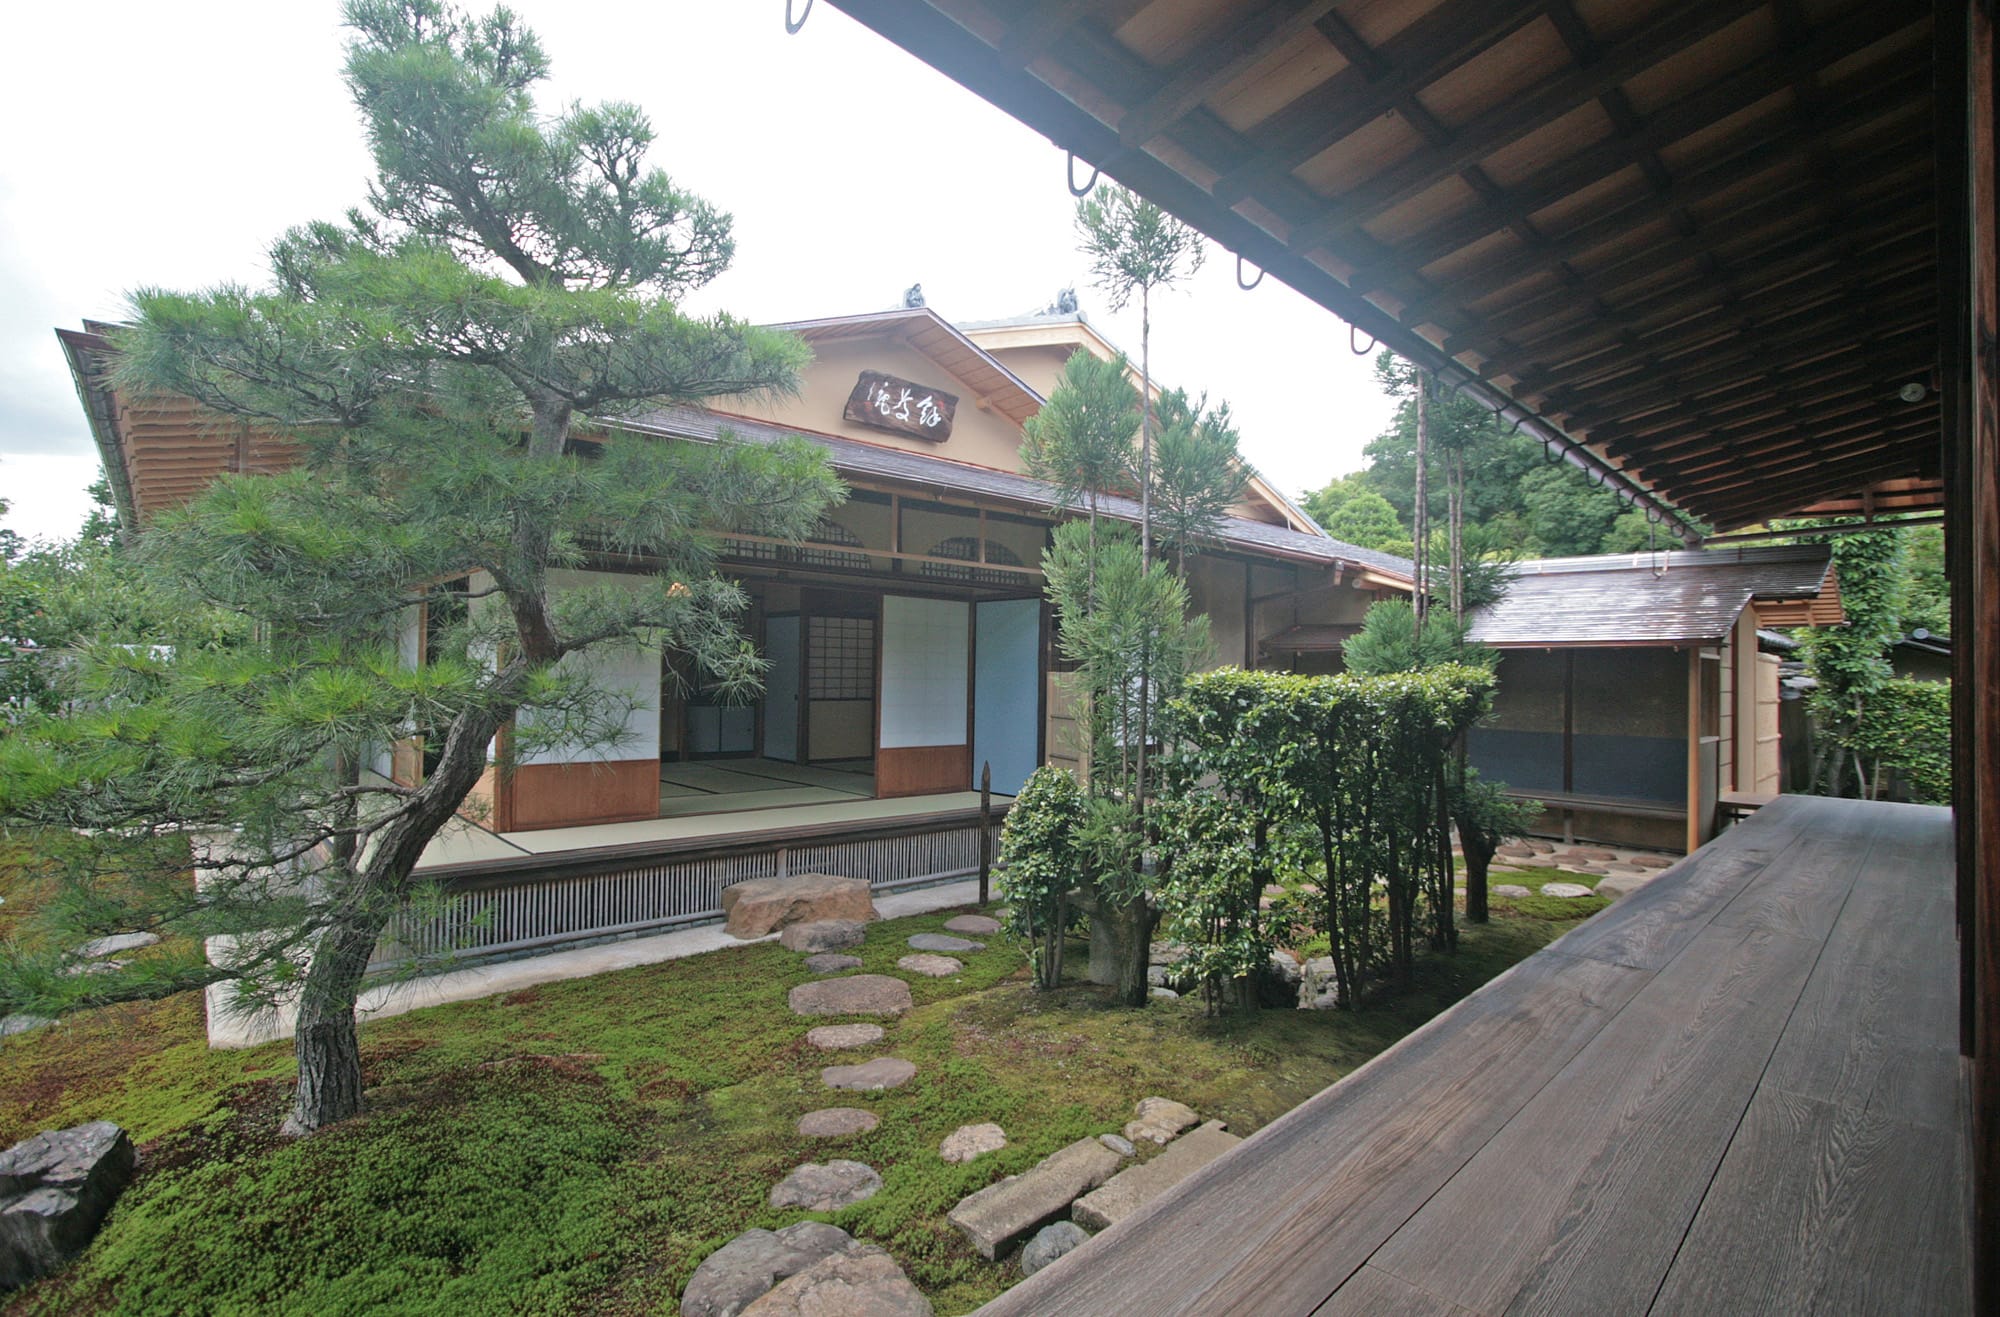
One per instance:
(439,361)
(1134,246)
(1198,475)
(1081,440)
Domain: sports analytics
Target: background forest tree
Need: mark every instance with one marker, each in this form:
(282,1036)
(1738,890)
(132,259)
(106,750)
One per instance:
(1517,503)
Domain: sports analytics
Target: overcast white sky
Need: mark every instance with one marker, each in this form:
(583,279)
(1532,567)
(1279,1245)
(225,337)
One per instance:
(167,144)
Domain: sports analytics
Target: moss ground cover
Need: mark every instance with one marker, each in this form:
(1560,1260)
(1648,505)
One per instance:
(581,1146)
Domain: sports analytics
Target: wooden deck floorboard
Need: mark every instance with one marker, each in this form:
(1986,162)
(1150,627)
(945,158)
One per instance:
(1737,1090)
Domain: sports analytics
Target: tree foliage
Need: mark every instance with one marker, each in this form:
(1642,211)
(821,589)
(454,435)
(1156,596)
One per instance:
(434,360)
(1198,473)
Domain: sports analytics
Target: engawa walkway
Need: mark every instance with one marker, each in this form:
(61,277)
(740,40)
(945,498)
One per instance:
(1737,1091)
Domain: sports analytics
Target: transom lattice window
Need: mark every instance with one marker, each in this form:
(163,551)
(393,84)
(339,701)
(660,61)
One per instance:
(841,658)
(832,532)
(966,548)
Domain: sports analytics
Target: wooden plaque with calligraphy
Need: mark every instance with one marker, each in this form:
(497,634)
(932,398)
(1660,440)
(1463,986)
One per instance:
(900,407)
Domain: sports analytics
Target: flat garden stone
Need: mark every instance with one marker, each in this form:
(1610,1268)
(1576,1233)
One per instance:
(1163,994)
(1623,884)
(13,1024)
(744,1270)
(841,1037)
(861,1282)
(858,994)
(941,942)
(55,1188)
(1050,1243)
(837,1123)
(1001,1214)
(870,1076)
(931,967)
(1118,1143)
(832,962)
(1536,861)
(969,1142)
(762,906)
(826,1186)
(977,925)
(823,935)
(1158,1119)
(117,942)
(1594,870)
(1513,850)
(1649,861)
(1512,891)
(1568,891)
(1135,1186)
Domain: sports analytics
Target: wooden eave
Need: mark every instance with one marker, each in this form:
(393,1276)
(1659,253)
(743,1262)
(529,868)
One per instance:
(1691,246)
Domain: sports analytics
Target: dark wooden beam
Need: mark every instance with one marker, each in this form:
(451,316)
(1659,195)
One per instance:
(1442,39)
(1675,30)
(1215,64)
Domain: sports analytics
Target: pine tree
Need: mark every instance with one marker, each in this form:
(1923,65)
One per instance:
(443,361)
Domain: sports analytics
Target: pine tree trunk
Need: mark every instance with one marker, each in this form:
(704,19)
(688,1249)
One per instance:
(1131,928)
(329,1085)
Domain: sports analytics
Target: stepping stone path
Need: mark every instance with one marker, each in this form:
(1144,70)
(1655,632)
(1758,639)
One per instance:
(864,1281)
(1568,891)
(826,1187)
(1513,891)
(969,1142)
(823,935)
(743,1270)
(1050,1243)
(931,967)
(840,1037)
(1594,870)
(832,962)
(870,1076)
(117,942)
(940,942)
(1650,861)
(858,994)
(977,925)
(837,1123)
(1134,1187)
(1158,1119)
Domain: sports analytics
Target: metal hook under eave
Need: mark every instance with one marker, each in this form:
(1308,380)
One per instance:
(1352,330)
(1074,190)
(1550,453)
(792,25)
(1254,282)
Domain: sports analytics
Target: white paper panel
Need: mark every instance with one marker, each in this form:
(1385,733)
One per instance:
(924,654)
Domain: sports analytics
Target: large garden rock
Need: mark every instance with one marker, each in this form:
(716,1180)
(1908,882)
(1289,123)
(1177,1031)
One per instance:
(1135,1186)
(1050,1243)
(862,1282)
(826,1187)
(1158,1119)
(941,942)
(55,1188)
(857,994)
(762,906)
(823,935)
(870,1076)
(744,1270)
(998,1215)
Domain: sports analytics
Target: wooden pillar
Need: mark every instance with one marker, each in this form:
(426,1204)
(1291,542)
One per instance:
(1694,750)
(1971,357)
(1743,695)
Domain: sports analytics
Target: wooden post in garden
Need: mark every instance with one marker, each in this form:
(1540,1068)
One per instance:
(985,829)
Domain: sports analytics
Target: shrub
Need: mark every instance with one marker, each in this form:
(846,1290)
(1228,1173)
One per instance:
(1041,863)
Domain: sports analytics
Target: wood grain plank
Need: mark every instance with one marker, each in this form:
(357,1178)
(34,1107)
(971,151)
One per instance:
(1826,1207)
(1647,929)
(1802,892)
(1278,1223)
(1371,1292)
(1873,1030)
(1579,1204)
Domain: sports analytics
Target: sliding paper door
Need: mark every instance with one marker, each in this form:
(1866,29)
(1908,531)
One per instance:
(926,651)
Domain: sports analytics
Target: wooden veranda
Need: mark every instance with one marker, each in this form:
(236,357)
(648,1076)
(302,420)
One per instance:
(1739,259)
(1734,1092)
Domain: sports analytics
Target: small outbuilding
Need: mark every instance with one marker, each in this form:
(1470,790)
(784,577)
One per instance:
(1634,700)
